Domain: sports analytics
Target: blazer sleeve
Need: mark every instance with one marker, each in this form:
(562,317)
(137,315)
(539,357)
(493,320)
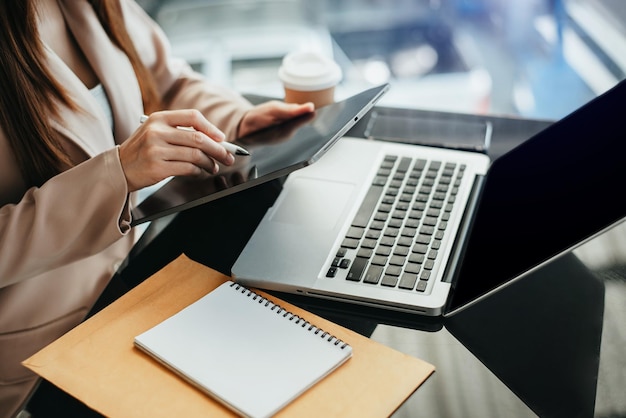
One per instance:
(36,236)
(181,87)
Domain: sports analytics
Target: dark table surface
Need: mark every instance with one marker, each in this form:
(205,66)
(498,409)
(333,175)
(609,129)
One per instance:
(552,344)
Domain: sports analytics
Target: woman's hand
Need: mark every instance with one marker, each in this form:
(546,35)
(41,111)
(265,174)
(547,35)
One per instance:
(160,148)
(271,113)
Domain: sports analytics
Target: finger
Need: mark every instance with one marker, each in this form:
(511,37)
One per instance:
(184,160)
(186,169)
(198,140)
(192,139)
(194,156)
(283,111)
(302,109)
(192,118)
(209,138)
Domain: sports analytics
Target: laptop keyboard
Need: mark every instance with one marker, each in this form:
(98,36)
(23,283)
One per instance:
(395,237)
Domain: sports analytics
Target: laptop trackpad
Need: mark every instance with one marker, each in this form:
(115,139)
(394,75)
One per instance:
(314,203)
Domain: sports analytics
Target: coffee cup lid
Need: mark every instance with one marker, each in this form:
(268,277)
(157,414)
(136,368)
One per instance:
(308,71)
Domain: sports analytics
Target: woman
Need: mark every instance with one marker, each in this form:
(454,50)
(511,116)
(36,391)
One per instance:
(76,76)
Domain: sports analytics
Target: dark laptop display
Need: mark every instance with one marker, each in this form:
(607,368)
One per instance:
(556,190)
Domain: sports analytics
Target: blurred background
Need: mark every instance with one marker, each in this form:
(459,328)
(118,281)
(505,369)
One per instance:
(529,58)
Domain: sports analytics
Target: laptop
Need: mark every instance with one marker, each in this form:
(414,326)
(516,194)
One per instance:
(274,153)
(433,231)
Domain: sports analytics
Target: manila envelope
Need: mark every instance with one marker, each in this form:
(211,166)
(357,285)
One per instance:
(98,364)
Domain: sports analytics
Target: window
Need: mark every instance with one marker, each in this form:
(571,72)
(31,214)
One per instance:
(532,58)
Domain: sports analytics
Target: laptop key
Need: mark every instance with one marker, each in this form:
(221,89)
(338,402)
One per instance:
(421,285)
(397,260)
(401,251)
(387,241)
(377,225)
(407,281)
(395,223)
(389,281)
(380,181)
(422,239)
(391,232)
(379,260)
(419,248)
(427,230)
(355,232)
(356,271)
(373,275)
(412,268)
(393,271)
(404,165)
(369,243)
(350,243)
(368,206)
(385,208)
(365,253)
(381,216)
(406,240)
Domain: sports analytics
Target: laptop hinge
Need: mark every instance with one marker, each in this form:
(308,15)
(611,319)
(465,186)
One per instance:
(460,243)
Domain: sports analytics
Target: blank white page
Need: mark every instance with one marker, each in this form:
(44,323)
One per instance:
(247,352)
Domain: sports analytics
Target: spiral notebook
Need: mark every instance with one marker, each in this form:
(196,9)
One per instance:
(244,350)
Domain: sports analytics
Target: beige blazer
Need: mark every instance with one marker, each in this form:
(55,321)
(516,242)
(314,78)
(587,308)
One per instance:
(61,243)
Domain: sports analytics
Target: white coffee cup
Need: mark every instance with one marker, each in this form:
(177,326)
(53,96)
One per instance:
(309,76)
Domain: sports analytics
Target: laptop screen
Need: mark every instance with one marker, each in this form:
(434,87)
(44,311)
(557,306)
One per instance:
(274,152)
(548,195)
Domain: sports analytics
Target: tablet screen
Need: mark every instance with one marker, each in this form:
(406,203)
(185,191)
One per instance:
(274,152)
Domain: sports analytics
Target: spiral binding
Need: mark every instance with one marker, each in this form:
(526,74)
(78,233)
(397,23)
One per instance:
(291,316)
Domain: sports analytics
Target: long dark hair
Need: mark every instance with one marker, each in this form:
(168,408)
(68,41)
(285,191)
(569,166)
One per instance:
(28,91)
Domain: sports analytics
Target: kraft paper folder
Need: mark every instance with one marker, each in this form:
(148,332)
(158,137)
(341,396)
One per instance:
(97,363)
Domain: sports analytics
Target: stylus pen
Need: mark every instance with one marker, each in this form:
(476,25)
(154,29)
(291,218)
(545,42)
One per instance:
(228,146)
